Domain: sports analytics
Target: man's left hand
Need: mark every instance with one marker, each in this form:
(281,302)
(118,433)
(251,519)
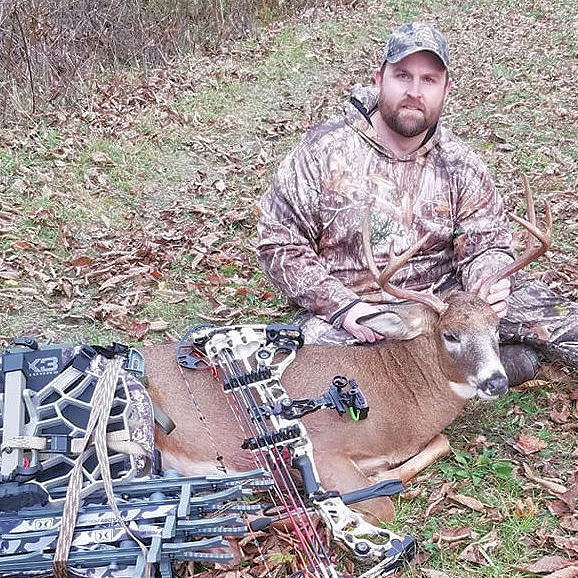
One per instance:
(497,296)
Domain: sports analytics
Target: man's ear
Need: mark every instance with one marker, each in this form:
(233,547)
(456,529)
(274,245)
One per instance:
(377,77)
(448,85)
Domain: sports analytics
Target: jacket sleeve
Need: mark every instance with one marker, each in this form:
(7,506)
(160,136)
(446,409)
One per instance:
(482,239)
(288,237)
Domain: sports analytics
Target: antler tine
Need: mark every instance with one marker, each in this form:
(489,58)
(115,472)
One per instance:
(532,251)
(395,263)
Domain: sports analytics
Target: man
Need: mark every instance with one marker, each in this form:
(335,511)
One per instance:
(389,153)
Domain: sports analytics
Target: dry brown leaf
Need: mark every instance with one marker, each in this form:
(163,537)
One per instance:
(138,329)
(428,573)
(570,572)
(558,507)
(468,501)
(526,507)
(569,522)
(452,534)
(472,553)
(569,497)
(441,491)
(113,281)
(411,493)
(101,159)
(158,325)
(529,444)
(550,485)
(82,261)
(561,410)
(23,245)
(546,564)
(568,544)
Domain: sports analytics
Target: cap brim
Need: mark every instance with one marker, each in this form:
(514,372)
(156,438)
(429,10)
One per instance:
(411,51)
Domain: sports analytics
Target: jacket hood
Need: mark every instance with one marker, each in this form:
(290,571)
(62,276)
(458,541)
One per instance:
(357,111)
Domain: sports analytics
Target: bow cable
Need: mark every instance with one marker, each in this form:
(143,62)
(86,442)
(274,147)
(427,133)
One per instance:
(296,511)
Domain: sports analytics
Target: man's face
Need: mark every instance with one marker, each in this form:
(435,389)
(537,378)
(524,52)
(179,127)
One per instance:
(412,93)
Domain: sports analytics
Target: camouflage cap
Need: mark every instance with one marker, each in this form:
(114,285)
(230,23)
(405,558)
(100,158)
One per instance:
(415,37)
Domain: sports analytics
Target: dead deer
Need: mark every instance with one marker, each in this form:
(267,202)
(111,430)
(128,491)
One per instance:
(438,354)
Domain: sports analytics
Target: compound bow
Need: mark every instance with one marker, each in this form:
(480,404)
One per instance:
(251,360)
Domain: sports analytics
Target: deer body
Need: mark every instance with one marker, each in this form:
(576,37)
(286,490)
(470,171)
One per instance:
(415,388)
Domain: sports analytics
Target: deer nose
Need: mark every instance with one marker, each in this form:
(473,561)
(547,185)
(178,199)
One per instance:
(495,385)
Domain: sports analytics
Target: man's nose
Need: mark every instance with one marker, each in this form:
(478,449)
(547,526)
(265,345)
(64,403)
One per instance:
(414,88)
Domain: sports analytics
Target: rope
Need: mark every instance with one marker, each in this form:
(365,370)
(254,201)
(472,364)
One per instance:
(97,423)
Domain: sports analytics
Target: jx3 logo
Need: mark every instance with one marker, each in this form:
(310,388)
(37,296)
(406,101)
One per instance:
(43,366)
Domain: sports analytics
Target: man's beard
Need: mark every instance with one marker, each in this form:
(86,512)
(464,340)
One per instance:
(407,125)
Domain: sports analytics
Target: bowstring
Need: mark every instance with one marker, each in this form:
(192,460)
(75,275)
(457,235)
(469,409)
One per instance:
(219,456)
(244,396)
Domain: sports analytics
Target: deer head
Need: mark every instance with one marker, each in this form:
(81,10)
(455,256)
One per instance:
(463,325)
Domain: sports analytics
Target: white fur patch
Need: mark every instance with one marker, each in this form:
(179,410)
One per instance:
(463,390)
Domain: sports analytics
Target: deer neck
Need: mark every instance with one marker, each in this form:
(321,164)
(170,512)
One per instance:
(416,364)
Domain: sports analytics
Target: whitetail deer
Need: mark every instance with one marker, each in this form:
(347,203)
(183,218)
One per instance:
(438,354)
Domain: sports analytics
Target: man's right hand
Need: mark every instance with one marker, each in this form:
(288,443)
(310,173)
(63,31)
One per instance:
(364,334)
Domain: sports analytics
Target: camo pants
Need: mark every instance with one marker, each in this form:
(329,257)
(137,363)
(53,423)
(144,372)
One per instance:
(534,310)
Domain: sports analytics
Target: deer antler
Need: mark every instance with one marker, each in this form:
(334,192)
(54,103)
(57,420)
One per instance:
(532,251)
(395,263)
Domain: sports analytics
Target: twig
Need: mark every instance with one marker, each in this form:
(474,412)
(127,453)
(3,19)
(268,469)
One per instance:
(28,62)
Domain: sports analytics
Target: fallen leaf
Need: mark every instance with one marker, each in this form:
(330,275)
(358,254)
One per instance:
(569,523)
(159,325)
(560,412)
(112,281)
(526,507)
(570,496)
(23,245)
(428,573)
(101,159)
(452,534)
(558,507)
(81,261)
(550,485)
(472,553)
(529,444)
(138,329)
(411,493)
(468,501)
(546,564)
(570,572)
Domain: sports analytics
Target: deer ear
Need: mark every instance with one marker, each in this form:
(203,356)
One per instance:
(400,324)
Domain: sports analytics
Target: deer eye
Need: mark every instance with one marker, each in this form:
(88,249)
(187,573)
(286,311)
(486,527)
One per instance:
(451,337)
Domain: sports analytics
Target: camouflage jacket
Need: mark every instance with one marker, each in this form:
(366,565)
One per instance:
(310,241)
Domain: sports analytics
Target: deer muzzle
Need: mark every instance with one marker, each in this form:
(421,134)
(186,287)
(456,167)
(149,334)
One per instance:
(494,386)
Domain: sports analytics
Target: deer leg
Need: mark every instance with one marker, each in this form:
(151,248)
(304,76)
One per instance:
(338,472)
(437,448)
